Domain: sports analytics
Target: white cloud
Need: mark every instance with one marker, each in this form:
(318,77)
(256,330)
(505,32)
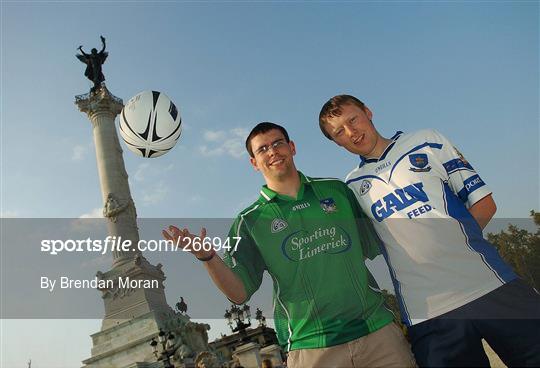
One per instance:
(95,213)
(8,214)
(196,198)
(211,151)
(84,224)
(244,203)
(240,132)
(156,194)
(229,142)
(79,151)
(139,174)
(146,170)
(234,147)
(100,261)
(215,136)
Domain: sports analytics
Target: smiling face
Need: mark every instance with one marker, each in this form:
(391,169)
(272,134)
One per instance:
(354,131)
(273,155)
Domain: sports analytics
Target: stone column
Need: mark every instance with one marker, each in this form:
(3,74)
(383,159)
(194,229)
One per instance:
(248,355)
(102,107)
(272,352)
(133,314)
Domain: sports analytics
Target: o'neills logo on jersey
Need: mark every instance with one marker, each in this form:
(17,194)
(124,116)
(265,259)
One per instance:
(278,225)
(383,166)
(301,206)
(302,244)
(398,200)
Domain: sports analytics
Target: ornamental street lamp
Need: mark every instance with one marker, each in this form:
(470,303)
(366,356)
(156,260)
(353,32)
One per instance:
(167,348)
(238,316)
(259,317)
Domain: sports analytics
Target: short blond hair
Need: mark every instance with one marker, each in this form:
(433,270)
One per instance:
(332,108)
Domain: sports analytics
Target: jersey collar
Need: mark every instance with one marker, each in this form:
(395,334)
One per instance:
(268,194)
(364,160)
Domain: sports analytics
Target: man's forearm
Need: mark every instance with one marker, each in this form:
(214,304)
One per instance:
(483,210)
(226,280)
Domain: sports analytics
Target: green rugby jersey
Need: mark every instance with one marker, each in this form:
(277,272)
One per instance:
(313,247)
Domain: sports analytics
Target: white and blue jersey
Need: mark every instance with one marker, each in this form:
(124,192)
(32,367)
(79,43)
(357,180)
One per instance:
(417,195)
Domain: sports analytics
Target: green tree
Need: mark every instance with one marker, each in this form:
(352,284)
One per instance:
(521,249)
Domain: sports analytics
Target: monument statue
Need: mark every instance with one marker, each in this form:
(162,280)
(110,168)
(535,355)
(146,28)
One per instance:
(93,62)
(134,316)
(181,306)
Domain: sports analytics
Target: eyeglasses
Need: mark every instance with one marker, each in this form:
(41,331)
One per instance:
(264,149)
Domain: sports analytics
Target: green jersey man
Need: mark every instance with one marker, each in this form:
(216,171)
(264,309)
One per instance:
(311,236)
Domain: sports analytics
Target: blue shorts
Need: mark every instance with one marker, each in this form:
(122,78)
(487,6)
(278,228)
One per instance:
(508,318)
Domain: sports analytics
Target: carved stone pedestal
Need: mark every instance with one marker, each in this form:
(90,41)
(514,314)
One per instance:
(248,355)
(272,352)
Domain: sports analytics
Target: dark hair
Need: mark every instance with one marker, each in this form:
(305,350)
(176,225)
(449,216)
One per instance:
(332,108)
(261,128)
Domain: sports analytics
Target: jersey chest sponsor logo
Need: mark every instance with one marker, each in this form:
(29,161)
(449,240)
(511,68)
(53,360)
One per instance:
(278,225)
(303,244)
(472,182)
(398,200)
(301,206)
(420,162)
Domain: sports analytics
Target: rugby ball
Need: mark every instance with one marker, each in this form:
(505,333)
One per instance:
(150,124)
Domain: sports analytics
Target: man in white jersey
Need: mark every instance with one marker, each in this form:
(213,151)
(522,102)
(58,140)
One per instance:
(429,207)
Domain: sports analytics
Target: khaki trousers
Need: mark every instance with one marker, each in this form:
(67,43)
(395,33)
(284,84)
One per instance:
(386,347)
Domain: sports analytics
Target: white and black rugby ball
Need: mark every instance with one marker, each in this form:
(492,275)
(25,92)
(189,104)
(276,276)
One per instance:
(150,124)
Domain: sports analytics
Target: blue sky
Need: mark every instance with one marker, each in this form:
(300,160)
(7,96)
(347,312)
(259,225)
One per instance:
(467,69)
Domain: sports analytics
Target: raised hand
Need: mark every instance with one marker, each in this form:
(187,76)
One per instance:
(186,240)
(224,278)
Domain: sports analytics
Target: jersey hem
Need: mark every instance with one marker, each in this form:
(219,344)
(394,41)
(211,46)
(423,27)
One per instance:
(449,308)
(346,338)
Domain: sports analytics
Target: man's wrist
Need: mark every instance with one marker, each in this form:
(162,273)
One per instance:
(208,257)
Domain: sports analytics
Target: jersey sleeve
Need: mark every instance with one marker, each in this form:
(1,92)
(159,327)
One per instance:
(243,258)
(462,178)
(371,243)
